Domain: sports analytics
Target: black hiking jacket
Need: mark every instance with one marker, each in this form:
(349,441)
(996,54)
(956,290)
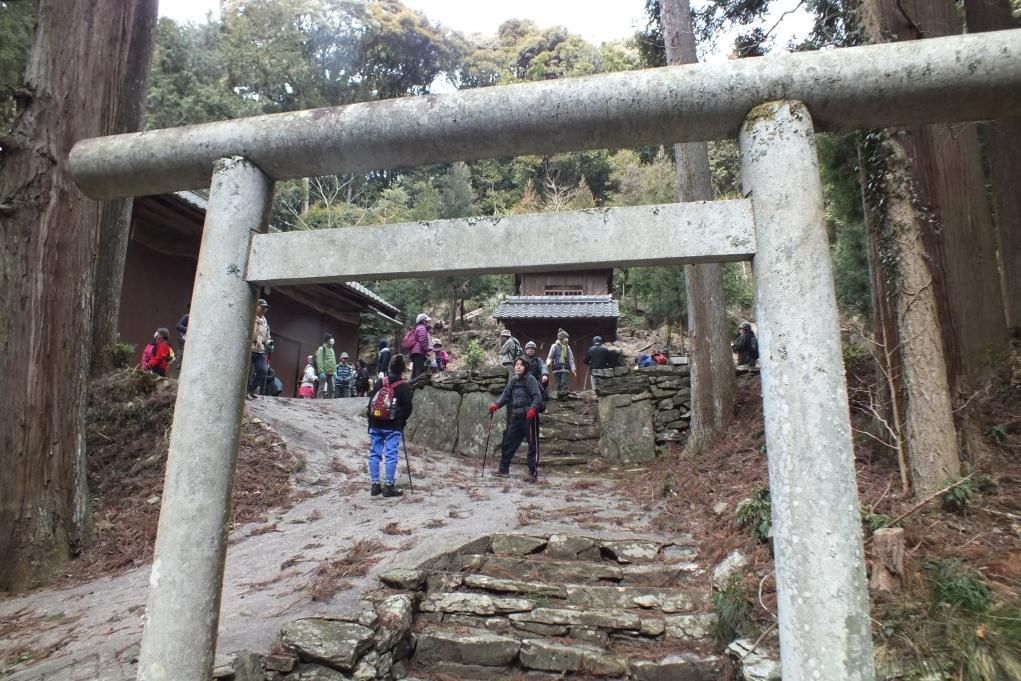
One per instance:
(746,345)
(600,357)
(520,394)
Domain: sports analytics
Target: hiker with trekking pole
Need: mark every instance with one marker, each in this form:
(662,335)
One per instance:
(390,406)
(523,398)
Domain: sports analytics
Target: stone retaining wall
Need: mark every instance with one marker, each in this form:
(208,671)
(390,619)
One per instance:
(633,414)
(654,402)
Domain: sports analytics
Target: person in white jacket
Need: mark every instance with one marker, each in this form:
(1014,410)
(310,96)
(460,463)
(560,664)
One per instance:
(307,389)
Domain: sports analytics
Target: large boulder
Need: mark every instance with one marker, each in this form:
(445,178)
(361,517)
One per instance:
(316,672)
(337,644)
(433,421)
(394,621)
(628,436)
(472,424)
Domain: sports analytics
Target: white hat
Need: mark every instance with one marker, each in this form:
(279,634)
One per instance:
(505,332)
(344,355)
(422,318)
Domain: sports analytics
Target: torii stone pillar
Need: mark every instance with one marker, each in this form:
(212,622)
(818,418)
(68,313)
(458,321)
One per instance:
(820,569)
(183,610)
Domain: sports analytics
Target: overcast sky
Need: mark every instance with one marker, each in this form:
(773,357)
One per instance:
(597,21)
(613,20)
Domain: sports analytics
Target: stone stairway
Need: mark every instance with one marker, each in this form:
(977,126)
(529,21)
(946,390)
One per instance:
(560,606)
(569,430)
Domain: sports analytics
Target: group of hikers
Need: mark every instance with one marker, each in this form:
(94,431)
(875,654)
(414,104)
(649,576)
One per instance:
(390,395)
(328,375)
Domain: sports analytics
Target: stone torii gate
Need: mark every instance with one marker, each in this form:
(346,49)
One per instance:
(773,104)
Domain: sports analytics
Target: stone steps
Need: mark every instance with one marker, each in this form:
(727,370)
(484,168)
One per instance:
(569,431)
(561,606)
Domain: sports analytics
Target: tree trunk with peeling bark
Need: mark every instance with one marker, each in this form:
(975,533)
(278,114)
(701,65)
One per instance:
(930,234)
(713,385)
(86,61)
(957,229)
(908,316)
(1003,162)
(125,115)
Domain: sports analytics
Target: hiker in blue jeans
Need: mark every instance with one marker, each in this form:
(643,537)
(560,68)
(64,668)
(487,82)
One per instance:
(389,408)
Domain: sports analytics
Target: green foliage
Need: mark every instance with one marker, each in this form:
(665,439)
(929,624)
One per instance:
(997,433)
(123,354)
(738,291)
(725,166)
(948,641)
(17,26)
(457,196)
(838,164)
(956,586)
(189,78)
(474,355)
(854,354)
(874,521)
(733,608)
(638,183)
(756,513)
(958,498)
(851,270)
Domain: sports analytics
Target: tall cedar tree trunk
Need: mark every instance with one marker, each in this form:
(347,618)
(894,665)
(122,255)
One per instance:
(1003,160)
(958,230)
(911,278)
(125,115)
(713,385)
(84,65)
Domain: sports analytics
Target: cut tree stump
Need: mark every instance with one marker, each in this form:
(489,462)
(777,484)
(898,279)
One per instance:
(887,559)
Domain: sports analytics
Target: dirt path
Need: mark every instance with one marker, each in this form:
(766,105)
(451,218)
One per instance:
(91,631)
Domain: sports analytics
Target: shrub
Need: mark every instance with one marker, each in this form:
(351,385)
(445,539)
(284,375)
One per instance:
(474,356)
(123,354)
(733,606)
(958,498)
(956,586)
(756,513)
(874,521)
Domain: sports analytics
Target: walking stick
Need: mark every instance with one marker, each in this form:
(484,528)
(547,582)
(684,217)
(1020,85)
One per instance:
(485,451)
(407,462)
(535,429)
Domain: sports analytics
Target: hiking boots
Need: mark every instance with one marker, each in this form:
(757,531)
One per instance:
(501,474)
(392,490)
(376,490)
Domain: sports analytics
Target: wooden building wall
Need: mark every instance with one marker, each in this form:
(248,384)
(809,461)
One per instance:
(159,273)
(584,282)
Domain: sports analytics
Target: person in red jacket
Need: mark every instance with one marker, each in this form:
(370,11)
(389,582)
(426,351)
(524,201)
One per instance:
(159,359)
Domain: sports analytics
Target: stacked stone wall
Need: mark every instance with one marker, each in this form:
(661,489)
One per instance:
(631,416)
(660,395)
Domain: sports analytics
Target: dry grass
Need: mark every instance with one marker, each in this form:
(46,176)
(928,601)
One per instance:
(128,429)
(395,528)
(330,577)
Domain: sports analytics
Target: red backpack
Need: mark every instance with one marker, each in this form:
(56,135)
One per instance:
(383,405)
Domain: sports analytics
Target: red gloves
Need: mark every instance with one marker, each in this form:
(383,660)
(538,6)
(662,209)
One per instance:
(493,407)
(532,413)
